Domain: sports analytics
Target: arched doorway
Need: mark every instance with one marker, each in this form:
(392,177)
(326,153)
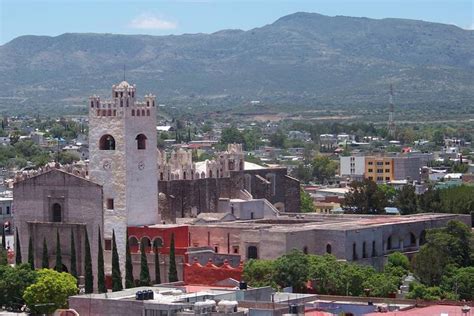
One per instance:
(57,213)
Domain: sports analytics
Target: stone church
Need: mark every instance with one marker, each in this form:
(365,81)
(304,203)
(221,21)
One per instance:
(129,183)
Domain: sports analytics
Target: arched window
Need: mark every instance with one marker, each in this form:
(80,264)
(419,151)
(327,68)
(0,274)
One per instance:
(133,244)
(157,243)
(147,112)
(364,252)
(412,239)
(389,243)
(133,112)
(328,248)
(57,213)
(107,142)
(146,244)
(138,112)
(143,112)
(141,141)
(252,252)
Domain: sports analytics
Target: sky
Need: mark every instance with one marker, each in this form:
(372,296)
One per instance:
(164,17)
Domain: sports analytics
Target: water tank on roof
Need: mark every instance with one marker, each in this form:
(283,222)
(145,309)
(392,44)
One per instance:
(227,307)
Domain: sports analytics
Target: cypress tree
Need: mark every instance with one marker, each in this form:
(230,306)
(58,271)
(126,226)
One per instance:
(89,277)
(59,260)
(31,255)
(3,257)
(173,273)
(157,267)
(73,256)
(4,239)
(144,272)
(128,267)
(45,258)
(17,249)
(116,275)
(100,267)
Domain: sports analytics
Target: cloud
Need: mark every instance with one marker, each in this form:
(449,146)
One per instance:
(151,22)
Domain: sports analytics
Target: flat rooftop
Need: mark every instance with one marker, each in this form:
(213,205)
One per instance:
(314,221)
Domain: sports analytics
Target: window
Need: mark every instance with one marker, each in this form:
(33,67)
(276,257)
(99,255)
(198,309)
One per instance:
(354,251)
(371,178)
(8,210)
(379,170)
(110,204)
(1,210)
(216,249)
(108,244)
(57,213)
(133,112)
(379,163)
(157,243)
(328,248)
(387,170)
(235,249)
(364,253)
(379,178)
(371,170)
(107,142)
(371,163)
(252,252)
(387,178)
(387,163)
(374,251)
(141,141)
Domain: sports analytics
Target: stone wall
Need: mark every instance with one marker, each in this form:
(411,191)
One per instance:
(81,208)
(188,198)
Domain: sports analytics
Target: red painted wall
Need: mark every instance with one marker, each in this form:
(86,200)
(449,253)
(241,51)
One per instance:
(181,236)
(210,274)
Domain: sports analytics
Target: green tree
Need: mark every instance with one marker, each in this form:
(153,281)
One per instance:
(89,277)
(429,293)
(3,257)
(430,201)
(45,256)
(144,271)
(17,249)
(398,259)
(364,197)
(278,139)
(292,270)
(13,282)
(173,273)
(59,261)
(406,200)
(444,246)
(258,273)
(459,281)
(157,266)
(73,256)
(4,242)
(129,281)
(31,254)
(303,172)
(50,291)
(100,266)
(116,274)
(381,284)
(324,168)
(231,135)
(306,202)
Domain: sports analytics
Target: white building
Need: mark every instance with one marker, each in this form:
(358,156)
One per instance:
(353,166)
(123,159)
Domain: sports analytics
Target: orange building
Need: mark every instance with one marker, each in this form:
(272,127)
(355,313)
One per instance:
(379,169)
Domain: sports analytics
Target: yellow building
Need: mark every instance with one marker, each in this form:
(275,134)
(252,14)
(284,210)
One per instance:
(379,169)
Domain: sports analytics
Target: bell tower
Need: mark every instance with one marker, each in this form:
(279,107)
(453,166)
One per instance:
(123,155)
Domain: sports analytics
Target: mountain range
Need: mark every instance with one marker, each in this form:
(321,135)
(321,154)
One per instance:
(300,59)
